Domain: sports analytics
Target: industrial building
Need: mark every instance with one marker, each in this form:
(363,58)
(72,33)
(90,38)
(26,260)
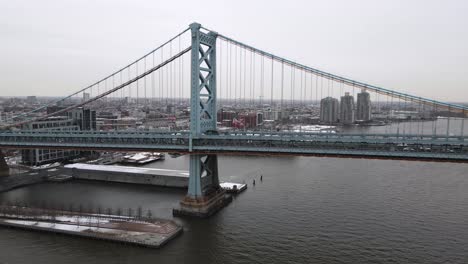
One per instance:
(77,119)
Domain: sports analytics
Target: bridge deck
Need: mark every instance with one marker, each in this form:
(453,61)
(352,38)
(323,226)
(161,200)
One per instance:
(255,143)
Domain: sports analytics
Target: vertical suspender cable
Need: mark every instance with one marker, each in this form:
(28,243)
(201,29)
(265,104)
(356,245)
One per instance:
(230,72)
(321,87)
(137,85)
(448,123)
(240,76)
(282,86)
(180,72)
(121,81)
(311,96)
(235,75)
(262,79)
(434,117)
(174,82)
(291,91)
(113,84)
(316,88)
(152,83)
(253,79)
(424,118)
(272,73)
(462,132)
(220,87)
(245,72)
(302,88)
(329,119)
(105,99)
(160,79)
(182,77)
(169,78)
(144,70)
(420,119)
(389,107)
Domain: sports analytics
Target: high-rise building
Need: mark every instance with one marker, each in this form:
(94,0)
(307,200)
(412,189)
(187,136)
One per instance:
(170,109)
(363,111)
(329,110)
(84,118)
(31,99)
(86,97)
(347,109)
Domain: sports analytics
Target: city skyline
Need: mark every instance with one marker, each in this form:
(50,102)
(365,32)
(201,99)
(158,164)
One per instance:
(70,56)
(283,126)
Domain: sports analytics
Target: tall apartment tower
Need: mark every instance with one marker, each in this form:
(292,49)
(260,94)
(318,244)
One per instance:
(86,97)
(363,111)
(329,110)
(347,109)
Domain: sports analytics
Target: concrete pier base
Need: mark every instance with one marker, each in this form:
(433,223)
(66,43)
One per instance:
(4,169)
(203,207)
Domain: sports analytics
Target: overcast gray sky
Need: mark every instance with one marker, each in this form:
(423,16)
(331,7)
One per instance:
(420,47)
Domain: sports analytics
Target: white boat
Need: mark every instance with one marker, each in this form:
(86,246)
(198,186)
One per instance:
(47,166)
(142,158)
(232,187)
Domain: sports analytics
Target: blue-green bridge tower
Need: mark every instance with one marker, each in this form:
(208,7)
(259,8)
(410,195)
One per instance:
(204,196)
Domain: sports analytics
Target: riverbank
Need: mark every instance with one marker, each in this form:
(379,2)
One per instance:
(16,181)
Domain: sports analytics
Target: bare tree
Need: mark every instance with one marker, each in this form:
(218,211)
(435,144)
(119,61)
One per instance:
(139,212)
(109,211)
(149,215)
(130,212)
(99,211)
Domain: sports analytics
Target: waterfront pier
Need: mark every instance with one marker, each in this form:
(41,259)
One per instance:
(136,230)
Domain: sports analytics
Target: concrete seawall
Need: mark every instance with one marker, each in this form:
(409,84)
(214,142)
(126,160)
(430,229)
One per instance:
(134,175)
(139,231)
(23,179)
(104,173)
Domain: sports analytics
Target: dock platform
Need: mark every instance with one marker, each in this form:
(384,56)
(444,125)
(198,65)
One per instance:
(232,187)
(145,232)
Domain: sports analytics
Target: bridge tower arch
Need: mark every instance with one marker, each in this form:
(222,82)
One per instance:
(204,196)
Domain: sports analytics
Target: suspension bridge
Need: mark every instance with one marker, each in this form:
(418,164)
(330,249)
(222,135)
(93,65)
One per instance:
(237,99)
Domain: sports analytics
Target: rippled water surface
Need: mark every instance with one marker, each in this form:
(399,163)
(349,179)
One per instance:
(306,210)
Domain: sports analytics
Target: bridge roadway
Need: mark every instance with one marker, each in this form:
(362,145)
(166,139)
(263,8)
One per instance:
(392,146)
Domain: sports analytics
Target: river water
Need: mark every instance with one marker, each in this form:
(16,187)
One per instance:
(306,210)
